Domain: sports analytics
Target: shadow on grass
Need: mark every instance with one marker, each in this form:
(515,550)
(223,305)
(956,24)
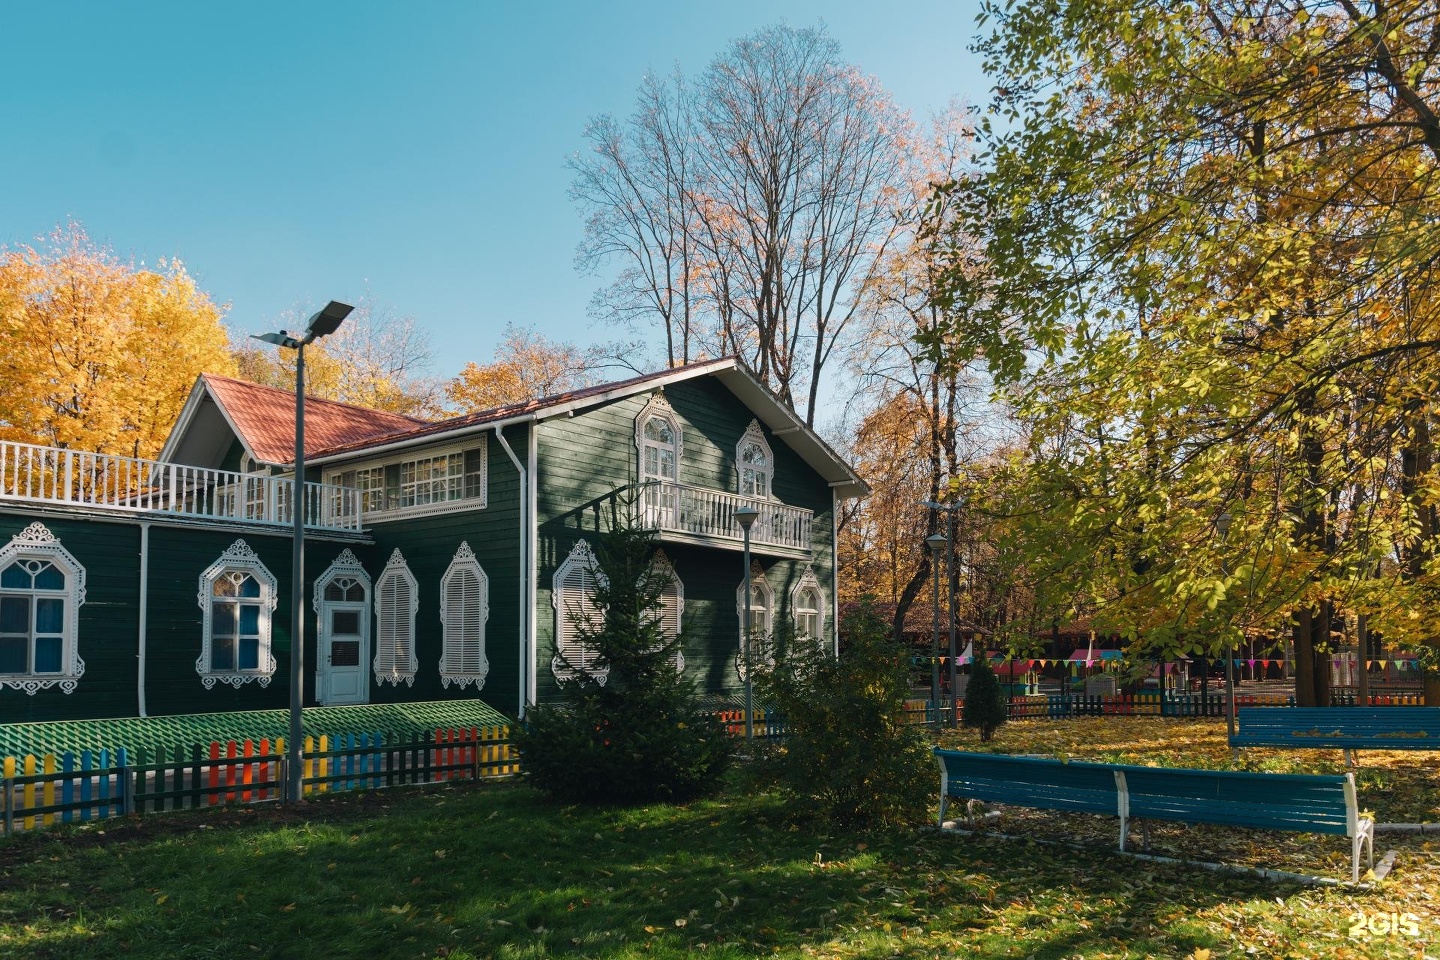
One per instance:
(497,871)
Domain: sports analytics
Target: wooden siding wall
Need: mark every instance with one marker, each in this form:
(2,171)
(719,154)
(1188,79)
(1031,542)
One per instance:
(583,459)
(108,639)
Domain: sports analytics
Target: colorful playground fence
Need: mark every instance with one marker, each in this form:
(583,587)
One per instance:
(94,785)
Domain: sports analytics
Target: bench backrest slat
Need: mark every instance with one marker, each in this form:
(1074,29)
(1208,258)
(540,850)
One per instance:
(1041,783)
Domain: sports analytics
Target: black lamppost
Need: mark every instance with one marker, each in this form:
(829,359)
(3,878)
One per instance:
(950,509)
(746,516)
(1222,530)
(936,543)
(321,324)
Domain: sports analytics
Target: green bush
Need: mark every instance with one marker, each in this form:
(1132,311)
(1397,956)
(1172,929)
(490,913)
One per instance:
(985,701)
(849,752)
(640,735)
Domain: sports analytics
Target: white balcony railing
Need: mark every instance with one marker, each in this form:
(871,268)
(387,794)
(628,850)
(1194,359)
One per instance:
(36,474)
(678,508)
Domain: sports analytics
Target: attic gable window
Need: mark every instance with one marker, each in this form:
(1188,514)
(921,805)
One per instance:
(427,484)
(754,463)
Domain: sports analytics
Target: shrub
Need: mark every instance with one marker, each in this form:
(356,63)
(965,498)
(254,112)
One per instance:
(985,702)
(849,751)
(639,735)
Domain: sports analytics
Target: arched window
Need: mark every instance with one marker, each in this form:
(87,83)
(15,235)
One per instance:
(572,595)
(754,463)
(464,608)
(397,598)
(41,589)
(237,594)
(762,610)
(658,439)
(672,602)
(807,604)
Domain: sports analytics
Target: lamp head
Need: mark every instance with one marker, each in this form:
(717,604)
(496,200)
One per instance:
(1222,525)
(932,505)
(327,320)
(936,542)
(281,339)
(746,516)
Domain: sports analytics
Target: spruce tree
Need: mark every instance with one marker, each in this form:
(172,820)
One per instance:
(985,705)
(632,729)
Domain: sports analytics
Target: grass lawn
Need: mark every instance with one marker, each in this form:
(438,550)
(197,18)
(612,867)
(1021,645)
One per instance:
(495,870)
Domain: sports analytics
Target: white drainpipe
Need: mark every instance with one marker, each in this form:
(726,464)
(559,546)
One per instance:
(524,608)
(835,568)
(144,609)
(532,570)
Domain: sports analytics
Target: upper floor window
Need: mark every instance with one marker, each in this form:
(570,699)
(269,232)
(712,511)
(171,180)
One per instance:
(464,608)
(41,589)
(237,593)
(754,463)
(572,595)
(428,483)
(658,438)
(397,598)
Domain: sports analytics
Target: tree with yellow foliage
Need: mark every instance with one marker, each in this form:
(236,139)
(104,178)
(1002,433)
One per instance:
(527,365)
(100,354)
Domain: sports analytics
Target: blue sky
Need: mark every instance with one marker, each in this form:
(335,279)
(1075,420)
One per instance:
(295,152)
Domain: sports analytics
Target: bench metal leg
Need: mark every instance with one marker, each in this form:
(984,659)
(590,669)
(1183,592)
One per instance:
(944,805)
(1364,839)
(1124,831)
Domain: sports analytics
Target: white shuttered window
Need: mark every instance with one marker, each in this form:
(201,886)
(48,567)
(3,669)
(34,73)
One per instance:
(572,595)
(397,598)
(672,602)
(464,608)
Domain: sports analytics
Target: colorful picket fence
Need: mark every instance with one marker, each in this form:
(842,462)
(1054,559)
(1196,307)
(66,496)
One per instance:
(40,791)
(1069,705)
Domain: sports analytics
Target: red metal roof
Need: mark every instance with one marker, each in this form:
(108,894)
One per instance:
(265,419)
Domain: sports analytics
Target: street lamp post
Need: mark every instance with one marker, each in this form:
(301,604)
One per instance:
(1222,529)
(936,542)
(950,509)
(321,324)
(746,516)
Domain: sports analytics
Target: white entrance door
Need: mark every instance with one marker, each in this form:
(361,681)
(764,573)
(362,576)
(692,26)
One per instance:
(342,675)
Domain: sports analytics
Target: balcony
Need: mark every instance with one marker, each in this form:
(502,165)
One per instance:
(74,478)
(695,514)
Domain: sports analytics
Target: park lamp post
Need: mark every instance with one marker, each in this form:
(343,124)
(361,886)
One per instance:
(321,324)
(936,543)
(950,509)
(1222,532)
(746,516)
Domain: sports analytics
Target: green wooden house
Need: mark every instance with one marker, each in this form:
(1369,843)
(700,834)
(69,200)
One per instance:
(443,560)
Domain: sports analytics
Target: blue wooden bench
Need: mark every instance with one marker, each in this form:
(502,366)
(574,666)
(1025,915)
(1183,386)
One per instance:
(1037,782)
(1339,728)
(1263,801)
(1297,803)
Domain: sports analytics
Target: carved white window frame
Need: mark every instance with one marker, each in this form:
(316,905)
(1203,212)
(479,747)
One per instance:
(663,569)
(567,652)
(755,435)
(808,581)
(453,668)
(658,408)
(38,543)
(761,584)
(237,558)
(387,663)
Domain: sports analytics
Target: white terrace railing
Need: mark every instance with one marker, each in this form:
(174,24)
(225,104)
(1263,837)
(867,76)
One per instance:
(679,508)
(50,475)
